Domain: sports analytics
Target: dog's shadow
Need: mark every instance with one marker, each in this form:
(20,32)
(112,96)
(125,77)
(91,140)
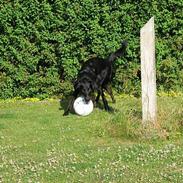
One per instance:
(64,102)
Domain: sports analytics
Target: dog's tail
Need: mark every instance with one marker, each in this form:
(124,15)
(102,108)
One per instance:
(118,53)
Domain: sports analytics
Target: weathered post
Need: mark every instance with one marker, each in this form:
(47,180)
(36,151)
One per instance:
(148,73)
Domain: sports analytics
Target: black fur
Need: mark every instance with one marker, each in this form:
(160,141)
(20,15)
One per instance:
(96,76)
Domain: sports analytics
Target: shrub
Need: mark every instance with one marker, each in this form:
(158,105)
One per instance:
(44,42)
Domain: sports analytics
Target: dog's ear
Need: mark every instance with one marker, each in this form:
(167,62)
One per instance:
(77,85)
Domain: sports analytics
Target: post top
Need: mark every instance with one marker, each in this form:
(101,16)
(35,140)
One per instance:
(149,25)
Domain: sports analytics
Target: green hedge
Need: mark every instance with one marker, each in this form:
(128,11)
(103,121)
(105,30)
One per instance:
(44,42)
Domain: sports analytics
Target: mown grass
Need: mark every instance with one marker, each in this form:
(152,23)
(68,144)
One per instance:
(38,144)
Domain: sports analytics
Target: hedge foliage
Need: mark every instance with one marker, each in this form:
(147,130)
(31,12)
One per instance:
(44,42)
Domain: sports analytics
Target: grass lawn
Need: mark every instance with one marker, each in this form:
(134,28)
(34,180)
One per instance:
(38,144)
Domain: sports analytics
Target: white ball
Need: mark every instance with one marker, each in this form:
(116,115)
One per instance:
(81,107)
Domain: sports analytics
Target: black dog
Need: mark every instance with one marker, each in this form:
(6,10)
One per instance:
(95,76)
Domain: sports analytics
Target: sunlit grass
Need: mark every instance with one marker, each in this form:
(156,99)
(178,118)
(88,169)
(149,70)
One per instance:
(38,144)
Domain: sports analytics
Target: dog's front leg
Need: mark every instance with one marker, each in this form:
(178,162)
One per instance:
(70,104)
(93,99)
(106,106)
(98,96)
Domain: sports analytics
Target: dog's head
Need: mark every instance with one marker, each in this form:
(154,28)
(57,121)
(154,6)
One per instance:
(85,88)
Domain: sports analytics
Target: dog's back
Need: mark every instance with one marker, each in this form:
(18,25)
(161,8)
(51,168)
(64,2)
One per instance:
(100,68)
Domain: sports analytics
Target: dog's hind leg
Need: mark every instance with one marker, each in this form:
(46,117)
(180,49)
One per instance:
(109,90)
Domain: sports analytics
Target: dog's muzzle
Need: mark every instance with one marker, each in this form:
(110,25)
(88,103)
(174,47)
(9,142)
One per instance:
(87,99)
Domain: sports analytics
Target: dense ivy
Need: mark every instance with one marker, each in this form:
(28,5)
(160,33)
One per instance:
(44,42)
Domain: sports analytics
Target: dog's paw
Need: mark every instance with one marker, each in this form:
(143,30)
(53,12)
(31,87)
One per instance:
(66,113)
(108,109)
(111,110)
